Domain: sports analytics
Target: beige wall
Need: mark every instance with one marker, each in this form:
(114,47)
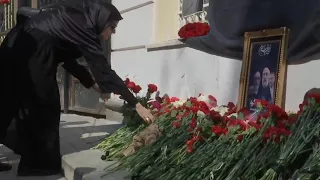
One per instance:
(135,29)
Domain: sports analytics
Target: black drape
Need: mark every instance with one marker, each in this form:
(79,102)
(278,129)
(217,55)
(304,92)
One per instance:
(230,19)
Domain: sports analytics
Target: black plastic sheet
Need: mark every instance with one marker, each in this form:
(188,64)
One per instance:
(230,19)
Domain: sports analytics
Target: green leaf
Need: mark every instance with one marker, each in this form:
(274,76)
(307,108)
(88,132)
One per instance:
(188,104)
(312,101)
(174,113)
(240,115)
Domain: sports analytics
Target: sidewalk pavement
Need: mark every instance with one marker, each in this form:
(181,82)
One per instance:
(77,133)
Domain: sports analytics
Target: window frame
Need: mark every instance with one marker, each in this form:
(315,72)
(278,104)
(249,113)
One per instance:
(168,20)
(200,16)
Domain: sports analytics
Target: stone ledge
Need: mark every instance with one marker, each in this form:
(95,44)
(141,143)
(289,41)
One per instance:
(136,7)
(118,175)
(172,44)
(87,165)
(113,108)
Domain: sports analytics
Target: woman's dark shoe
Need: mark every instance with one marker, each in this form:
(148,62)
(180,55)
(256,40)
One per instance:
(5,167)
(26,171)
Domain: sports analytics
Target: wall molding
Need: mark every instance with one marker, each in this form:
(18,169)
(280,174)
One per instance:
(172,44)
(128,48)
(136,7)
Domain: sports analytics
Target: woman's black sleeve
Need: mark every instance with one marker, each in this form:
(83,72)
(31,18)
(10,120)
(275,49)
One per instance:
(105,77)
(80,72)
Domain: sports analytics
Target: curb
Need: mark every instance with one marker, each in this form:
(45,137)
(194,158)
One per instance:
(87,165)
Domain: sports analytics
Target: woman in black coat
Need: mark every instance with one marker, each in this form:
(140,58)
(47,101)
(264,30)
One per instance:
(60,33)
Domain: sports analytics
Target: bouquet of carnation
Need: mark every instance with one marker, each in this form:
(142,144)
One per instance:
(179,121)
(194,29)
(271,128)
(297,148)
(311,169)
(122,138)
(132,118)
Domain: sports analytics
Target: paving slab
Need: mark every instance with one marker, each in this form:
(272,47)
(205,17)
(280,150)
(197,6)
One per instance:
(77,133)
(101,175)
(87,165)
(7,156)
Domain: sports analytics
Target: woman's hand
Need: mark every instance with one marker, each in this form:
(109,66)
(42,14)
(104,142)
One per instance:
(144,113)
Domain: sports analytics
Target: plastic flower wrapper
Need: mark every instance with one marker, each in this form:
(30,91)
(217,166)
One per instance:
(260,108)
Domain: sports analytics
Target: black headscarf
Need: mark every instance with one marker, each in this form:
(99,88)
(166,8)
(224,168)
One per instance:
(101,13)
(76,20)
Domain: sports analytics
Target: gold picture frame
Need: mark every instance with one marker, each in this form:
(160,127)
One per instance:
(261,50)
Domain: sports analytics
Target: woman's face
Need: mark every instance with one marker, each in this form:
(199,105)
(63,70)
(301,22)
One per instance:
(109,30)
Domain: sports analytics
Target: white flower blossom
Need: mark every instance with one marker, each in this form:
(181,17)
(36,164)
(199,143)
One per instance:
(221,109)
(234,114)
(203,98)
(178,103)
(200,114)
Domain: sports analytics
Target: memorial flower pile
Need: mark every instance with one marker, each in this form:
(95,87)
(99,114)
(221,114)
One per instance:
(202,140)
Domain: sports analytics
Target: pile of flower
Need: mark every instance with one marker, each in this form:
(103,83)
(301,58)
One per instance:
(194,29)
(204,141)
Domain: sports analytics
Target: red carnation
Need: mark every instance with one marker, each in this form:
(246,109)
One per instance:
(131,85)
(182,32)
(278,111)
(205,28)
(127,81)
(314,95)
(219,130)
(152,88)
(136,89)
(263,103)
(176,124)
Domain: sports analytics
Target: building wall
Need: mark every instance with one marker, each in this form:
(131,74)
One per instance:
(185,72)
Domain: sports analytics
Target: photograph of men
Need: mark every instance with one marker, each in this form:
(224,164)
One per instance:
(262,73)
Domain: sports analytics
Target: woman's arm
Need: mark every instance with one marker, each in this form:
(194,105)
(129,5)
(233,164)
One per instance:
(80,72)
(105,77)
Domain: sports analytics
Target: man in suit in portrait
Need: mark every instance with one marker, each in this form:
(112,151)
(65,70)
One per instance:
(254,88)
(272,79)
(264,90)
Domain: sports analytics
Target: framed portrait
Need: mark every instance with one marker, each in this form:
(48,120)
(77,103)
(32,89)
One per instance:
(263,70)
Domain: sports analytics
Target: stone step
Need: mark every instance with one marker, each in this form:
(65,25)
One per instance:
(87,165)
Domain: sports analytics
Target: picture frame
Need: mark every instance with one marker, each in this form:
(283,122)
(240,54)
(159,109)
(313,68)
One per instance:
(264,66)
